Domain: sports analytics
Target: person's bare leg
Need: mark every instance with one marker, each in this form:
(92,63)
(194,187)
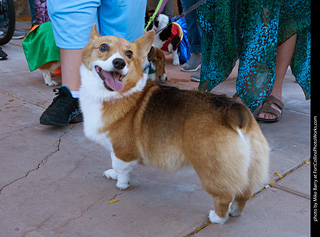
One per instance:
(61,114)
(284,55)
(70,68)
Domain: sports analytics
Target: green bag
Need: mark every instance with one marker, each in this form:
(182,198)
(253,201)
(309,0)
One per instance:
(40,47)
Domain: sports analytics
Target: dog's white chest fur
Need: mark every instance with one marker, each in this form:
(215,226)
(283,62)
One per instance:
(91,105)
(92,122)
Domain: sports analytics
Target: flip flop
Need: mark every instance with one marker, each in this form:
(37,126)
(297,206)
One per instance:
(266,108)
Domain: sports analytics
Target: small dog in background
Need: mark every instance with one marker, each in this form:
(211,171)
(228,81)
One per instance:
(168,35)
(157,64)
(41,51)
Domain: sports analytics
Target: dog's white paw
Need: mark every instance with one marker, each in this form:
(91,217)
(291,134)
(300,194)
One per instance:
(110,174)
(214,218)
(123,184)
(234,209)
(176,62)
(123,181)
(52,83)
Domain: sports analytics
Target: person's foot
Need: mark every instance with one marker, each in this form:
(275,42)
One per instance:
(271,110)
(195,76)
(3,55)
(193,63)
(63,110)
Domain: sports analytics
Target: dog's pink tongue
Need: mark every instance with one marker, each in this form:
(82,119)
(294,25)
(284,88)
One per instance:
(112,80)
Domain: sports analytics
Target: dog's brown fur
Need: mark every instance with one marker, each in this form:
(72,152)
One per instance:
(170,129)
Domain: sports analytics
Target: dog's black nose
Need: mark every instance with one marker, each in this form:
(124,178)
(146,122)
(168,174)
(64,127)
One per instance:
(119,63)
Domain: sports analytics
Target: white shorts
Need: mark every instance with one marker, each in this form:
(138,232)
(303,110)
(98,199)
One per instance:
(72,20)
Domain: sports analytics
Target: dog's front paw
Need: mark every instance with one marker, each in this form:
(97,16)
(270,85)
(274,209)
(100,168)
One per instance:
(52,83)
(110,174)
(122,185)
(214,218)
(176,62)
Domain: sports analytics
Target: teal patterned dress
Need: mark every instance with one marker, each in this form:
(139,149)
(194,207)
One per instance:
(251,30)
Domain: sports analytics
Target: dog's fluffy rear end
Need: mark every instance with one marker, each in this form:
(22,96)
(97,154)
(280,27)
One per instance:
(218,137)
(205,136)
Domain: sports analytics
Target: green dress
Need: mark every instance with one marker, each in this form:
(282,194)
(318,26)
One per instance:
(40,47)
(251,30)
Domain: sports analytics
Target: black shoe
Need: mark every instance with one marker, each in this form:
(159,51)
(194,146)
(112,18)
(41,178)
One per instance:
(63,110)
(3,55)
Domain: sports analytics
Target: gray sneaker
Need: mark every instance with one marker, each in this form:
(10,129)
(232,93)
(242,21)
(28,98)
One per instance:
(196,76)
(193,63)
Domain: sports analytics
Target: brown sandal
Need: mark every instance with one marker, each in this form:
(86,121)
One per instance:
(266,108)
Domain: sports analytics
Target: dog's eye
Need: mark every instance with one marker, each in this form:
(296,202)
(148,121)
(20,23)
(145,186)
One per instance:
(104,48)
(129,54)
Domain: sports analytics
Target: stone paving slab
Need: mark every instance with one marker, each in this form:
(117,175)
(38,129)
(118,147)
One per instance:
(273,212)
(28,86)
(16,55)
(289,140)
(297,182)
(22,151)
(17,113)
(66,195)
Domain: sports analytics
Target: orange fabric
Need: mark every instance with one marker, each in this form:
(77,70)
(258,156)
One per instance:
(57,72)
(33,28)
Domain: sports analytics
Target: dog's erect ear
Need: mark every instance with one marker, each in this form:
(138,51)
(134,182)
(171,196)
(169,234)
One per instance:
(151,53)
(94,33)
(144,44)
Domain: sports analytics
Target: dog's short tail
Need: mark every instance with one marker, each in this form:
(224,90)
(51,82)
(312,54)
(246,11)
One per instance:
(238,116)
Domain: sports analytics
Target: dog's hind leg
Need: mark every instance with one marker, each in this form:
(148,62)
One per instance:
(221,206)
(221,198)
(240,200)
(120,171)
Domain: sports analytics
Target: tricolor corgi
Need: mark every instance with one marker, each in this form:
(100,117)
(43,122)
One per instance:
(141,122)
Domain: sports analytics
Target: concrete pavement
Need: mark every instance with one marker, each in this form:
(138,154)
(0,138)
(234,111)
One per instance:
(51,181)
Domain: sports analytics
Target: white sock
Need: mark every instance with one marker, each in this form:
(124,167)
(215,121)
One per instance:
(75,94)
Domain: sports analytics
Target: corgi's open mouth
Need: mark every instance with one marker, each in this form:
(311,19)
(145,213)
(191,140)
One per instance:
(111,80)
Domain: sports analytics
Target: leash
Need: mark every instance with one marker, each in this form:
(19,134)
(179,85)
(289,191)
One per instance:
(190,9)
(162,6)
(155,13)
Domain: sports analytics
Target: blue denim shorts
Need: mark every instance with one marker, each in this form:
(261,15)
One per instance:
(72,20)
